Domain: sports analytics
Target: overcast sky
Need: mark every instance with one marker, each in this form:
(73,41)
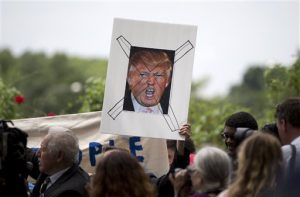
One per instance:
(231,34)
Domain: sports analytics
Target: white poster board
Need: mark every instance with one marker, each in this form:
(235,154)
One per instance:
(148,80)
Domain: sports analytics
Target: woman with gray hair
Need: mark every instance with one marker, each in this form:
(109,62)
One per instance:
(207,178)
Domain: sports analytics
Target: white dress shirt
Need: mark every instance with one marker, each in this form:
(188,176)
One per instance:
(139,108)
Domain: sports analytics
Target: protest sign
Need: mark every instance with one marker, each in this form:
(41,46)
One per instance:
(148,80)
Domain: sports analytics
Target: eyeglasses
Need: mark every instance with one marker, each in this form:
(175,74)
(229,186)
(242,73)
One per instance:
(227,136)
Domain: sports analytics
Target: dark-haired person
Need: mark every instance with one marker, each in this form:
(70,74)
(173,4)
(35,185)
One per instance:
(271,129)
(149,74)
(234,121)
(288,123)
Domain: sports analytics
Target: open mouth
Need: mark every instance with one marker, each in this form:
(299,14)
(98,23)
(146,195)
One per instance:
(150,92)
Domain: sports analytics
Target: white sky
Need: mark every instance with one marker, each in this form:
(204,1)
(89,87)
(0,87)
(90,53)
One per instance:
(231,34)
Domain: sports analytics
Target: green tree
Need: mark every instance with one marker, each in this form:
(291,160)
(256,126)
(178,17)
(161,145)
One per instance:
(281,82)
(92,100)
(8,106)
(207,117)
(251,92)
(6,62)
(46,81)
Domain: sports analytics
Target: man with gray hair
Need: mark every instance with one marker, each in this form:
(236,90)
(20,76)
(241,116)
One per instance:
(58,163)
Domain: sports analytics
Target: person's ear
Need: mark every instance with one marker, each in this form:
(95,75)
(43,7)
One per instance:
(285,125)
(129,80)
(282,122)
(60,156)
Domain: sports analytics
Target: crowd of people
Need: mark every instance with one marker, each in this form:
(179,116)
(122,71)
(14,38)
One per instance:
(256,163)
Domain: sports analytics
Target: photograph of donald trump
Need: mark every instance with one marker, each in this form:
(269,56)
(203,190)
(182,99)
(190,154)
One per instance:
(149,80)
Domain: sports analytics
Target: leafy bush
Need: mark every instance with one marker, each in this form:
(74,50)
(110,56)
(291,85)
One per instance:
(92,100)
(10,98)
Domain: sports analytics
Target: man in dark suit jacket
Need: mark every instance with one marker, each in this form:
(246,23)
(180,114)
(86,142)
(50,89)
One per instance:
(148,81)
(60,174)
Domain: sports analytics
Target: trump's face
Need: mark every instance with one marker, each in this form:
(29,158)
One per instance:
(147,83)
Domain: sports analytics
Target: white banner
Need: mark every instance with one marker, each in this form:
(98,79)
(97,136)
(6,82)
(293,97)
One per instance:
(152,153)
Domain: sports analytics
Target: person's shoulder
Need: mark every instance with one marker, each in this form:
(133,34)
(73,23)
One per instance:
(82,173)
(76,175)
(286,148)
(296,141)
(286,152)
(75,184)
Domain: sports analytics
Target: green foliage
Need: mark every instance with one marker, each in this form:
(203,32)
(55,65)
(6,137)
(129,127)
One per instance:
(276,82)
(281,82)
(8,106)
(260,91)
(90,67)
(263,88)
(294,78)
(251,92)
(94,94)
(207,118)
(254,78)
(46,81)
(6,60)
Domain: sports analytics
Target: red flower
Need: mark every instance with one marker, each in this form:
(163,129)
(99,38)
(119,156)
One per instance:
(51,114)
(19,99)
